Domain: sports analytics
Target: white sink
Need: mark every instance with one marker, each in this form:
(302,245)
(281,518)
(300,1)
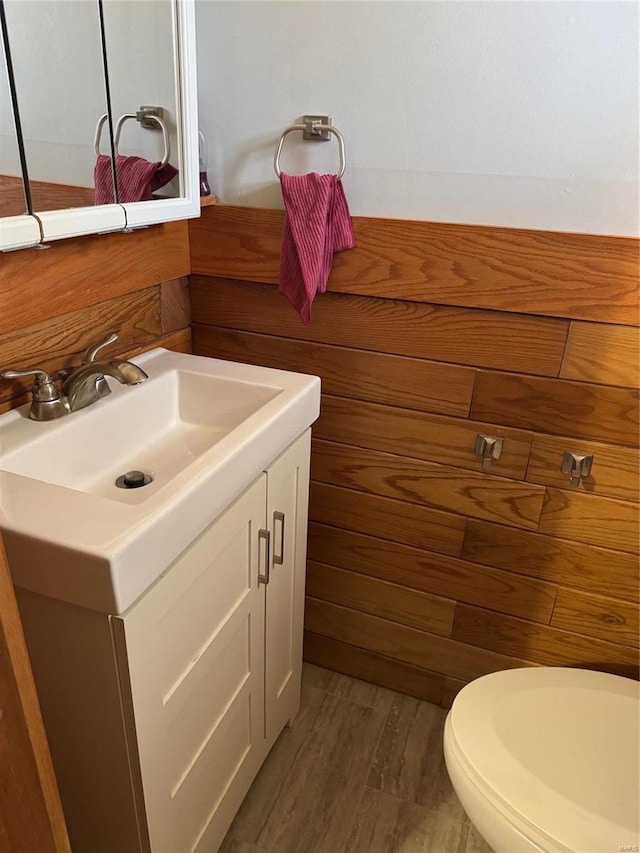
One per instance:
(201,429)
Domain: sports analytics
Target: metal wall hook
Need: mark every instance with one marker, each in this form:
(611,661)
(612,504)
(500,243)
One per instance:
(577,466)
(488,448)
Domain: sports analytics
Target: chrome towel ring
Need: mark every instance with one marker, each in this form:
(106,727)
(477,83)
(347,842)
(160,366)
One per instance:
(154,118)
(96,139)
(146,116)
(313,129)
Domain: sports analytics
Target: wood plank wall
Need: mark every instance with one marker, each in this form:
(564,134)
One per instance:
(424,570)
(56,302)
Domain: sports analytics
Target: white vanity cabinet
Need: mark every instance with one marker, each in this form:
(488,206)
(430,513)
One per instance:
(171,707)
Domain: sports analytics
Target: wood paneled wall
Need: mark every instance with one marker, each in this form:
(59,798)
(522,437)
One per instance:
(56,302)
(424,570)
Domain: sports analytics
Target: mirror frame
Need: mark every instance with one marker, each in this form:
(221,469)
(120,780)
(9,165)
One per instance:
(29,230)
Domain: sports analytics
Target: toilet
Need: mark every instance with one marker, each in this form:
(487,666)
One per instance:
(547,759)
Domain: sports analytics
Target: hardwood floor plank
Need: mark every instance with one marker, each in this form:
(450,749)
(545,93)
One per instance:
(559,561)
(434,438)
(598,352)
(368,666)
(587,518)
(398,642)
(596,616)
(614,473)
(426,483)
(491,339)
(377,377)
(408,524)
(431,573)
(566,275)
(372,595)
(549,646)
(557,406)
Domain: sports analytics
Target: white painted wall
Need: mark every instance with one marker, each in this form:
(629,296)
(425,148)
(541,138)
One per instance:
(521,114)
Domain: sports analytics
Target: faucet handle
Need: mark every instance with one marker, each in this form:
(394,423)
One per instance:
(92,352)
(44,387)
(47,402)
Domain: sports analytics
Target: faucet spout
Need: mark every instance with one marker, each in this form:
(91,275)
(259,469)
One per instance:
(80,389)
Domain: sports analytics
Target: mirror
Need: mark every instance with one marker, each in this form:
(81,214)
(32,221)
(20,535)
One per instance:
(13,201)
(18,229)
(141,61)
(61,96)
(60,72)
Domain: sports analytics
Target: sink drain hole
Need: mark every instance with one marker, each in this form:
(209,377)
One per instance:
(133,480)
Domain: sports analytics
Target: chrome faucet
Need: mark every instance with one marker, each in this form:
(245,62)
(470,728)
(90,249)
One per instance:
(81,388)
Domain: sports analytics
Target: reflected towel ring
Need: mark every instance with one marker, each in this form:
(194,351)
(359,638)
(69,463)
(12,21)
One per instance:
(165,134)
(96,140)
(315,128)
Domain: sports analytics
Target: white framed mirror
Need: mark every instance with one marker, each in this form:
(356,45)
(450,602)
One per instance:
(66,54)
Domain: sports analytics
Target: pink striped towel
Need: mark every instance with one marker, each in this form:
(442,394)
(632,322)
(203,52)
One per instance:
(137,178)
(317,225)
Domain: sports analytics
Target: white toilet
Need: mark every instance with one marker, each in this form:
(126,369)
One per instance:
(547,759)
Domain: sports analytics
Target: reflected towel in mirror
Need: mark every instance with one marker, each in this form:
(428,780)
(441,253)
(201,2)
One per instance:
(137,178)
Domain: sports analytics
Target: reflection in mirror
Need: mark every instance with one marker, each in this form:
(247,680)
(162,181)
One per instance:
(143,71)
(13,201)
(59,74)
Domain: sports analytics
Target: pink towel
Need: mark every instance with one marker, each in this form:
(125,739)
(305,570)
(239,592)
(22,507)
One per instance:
(317,225)
(137,178)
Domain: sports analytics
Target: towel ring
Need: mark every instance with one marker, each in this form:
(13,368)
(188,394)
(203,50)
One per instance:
(158,120)
(96,140)
(316,127)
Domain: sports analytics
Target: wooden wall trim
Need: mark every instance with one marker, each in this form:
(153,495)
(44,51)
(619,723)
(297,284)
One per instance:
(579,276)
(492,339)
(414,383)
(39,284)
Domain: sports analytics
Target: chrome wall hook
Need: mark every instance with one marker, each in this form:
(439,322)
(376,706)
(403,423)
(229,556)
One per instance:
(488,448)
(577,466)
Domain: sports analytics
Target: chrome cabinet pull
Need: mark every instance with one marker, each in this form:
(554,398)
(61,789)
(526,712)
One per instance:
(265,536)
(278,559)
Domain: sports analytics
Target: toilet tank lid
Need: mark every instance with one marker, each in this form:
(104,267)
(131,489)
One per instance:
(559,748)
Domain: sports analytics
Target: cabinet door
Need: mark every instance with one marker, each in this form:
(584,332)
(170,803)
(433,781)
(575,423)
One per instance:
(194,649)
(287,501)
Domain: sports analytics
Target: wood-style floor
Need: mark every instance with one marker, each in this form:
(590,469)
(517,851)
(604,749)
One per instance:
(361,770)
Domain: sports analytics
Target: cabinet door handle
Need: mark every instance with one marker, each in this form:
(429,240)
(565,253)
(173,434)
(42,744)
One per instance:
(278,559)
(265,536)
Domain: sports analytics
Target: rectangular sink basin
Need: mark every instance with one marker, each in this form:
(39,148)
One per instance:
(159,429)
(201,430)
